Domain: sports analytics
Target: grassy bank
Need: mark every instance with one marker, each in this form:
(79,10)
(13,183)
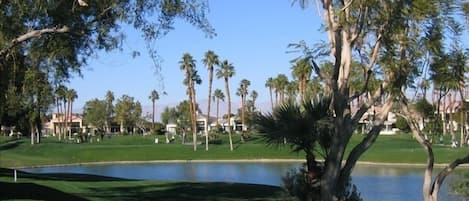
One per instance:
(18,153)
(80,187)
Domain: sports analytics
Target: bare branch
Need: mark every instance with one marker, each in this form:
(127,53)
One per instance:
(32,34)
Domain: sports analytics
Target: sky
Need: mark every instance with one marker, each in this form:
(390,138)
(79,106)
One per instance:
(253,35)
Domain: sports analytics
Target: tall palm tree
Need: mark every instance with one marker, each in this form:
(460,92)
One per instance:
(243,92)
(210,60)
(153,97)
(218,95)
(270,84)
(71,95)
(109,108)
(226,71)
(59,96)
(187,64)
(302,71)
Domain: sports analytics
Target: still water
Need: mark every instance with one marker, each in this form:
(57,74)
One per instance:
(382,183)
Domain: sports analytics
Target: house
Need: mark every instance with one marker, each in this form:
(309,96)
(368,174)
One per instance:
(74,122)
(235,123)
(367,119)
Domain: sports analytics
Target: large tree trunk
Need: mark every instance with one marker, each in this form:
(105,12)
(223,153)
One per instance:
(229,112)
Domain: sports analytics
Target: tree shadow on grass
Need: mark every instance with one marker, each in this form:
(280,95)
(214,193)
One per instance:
(21,191)
(183,191)
(59,176)
(11,144)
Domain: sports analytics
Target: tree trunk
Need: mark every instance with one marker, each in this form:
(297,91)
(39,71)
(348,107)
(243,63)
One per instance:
(153,116)
(463,119)
(57,128)
(32,134)
(193,114)
(243,121)
(271,98)
(210,80)
(229,112)
(218,110)
(71,119)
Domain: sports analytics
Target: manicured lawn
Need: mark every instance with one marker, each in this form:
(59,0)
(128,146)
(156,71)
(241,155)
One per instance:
(78,187)
(19,153)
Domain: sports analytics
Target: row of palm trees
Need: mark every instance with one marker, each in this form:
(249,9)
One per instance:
(224,71)
(284,90)
(64,99)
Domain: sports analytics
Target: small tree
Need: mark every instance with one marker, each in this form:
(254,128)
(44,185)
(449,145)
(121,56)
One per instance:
(303,128)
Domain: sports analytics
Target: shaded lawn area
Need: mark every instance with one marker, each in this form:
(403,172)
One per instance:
(78,187)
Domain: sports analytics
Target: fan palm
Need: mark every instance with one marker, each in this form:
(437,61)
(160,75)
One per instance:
(301,126)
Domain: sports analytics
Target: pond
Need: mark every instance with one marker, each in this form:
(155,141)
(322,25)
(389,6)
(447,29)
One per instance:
(374,182)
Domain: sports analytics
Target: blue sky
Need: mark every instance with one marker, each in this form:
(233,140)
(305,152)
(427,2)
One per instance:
(253,35)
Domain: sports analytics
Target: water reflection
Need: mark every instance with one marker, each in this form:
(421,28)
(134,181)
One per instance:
(382,183)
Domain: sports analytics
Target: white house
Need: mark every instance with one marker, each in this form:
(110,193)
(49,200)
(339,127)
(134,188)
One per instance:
(236,125)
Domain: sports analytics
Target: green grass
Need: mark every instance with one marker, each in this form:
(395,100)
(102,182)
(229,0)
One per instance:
(78,187)
(19,153)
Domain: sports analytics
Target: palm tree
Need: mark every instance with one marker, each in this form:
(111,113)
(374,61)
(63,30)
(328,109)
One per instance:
(280,84)
(226,71)
(254,96)
(304,127)
(270,84)
(109,108)
(302,70)
(292,90)
(210,60)
(218,95)
(153,97)
(71,95)
(243,92)
(59,96)
(187,64)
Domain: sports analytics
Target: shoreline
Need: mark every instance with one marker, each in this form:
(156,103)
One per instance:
(366,163)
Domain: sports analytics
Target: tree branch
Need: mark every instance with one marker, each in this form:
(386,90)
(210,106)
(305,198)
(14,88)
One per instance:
(445,172)
(365,106)
(30,35)
(366,143)
(417,134)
